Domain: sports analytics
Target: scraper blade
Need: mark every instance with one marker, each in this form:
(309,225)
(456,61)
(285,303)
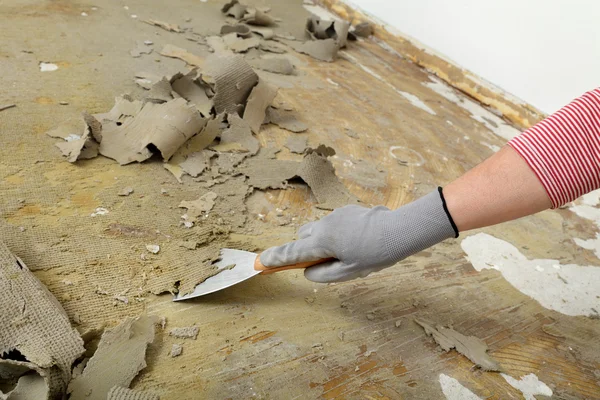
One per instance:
(243,269)
(237,266)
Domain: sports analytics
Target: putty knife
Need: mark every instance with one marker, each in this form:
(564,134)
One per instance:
(245,266)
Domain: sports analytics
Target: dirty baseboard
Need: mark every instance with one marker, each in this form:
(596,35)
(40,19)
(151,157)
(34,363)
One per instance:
(514,110)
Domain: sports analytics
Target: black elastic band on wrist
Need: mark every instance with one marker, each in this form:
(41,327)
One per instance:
(448,212)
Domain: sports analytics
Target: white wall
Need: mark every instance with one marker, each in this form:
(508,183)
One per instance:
(545,52)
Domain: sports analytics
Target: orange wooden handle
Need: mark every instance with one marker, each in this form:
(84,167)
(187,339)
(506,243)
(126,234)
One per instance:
(258,266)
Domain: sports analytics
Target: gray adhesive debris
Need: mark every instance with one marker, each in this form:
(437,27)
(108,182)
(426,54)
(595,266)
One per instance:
(316,170)
(190,332)
(239,44)
(202,205)
(255,16)
(140,48)
(363,29)
(323,50)
(239,133)
(164,126)
(177,52)
(272,47)
(325,29)
(259,100)
(78,143)
(240,30)
(160,92)
(197,163)
(297,144)
(277,65)
(234,9)
(164,25)
(471,347)
(176,350)
(28,382)
(120,356)
(285,119)
(266,33)
(192,88)
(126,191)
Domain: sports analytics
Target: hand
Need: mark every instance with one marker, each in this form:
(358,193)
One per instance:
(364,240)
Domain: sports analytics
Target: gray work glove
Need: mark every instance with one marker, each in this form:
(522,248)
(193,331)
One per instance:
(365,240)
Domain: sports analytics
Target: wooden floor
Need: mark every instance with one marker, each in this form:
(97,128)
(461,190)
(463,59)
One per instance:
(281,336)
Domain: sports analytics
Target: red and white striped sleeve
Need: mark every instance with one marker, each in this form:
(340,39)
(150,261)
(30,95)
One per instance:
(564,149)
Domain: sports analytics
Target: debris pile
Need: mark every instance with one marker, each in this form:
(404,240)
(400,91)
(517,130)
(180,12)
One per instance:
(191,110)
(201,125)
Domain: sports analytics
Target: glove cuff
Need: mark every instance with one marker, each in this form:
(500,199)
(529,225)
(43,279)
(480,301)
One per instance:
(418,226)
(441,192)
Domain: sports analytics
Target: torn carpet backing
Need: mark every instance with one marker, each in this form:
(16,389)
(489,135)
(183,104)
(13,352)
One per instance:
(35,326)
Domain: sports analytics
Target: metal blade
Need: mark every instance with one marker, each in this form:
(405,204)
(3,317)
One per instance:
(243,270)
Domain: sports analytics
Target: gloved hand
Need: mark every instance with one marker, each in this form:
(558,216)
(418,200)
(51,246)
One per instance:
(364,240)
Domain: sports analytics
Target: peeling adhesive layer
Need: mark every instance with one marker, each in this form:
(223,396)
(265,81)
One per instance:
(78,143)
(177,52)
(34,323)
(120,356)
(239,132)
(315,170)
(165,126)
(284,119)
(471,347)
(277,65)
(567,288)
(260,98)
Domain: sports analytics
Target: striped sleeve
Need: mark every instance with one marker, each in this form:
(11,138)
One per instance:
(564,149)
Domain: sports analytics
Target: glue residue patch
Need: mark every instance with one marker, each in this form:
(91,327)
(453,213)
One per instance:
(453,390)
(567,288)
(491,121)
(48,67)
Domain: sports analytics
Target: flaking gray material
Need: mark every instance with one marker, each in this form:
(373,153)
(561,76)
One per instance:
(120,356)
(165,126)
(260,98)
(471,347)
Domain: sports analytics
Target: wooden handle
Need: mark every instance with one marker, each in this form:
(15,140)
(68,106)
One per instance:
(258,266)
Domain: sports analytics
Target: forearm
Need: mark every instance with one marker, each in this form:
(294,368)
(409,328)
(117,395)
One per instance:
(500,189)
(549,165)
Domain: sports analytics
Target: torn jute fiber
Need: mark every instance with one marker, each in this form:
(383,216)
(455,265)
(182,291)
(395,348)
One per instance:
(121,393)
(35,325)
